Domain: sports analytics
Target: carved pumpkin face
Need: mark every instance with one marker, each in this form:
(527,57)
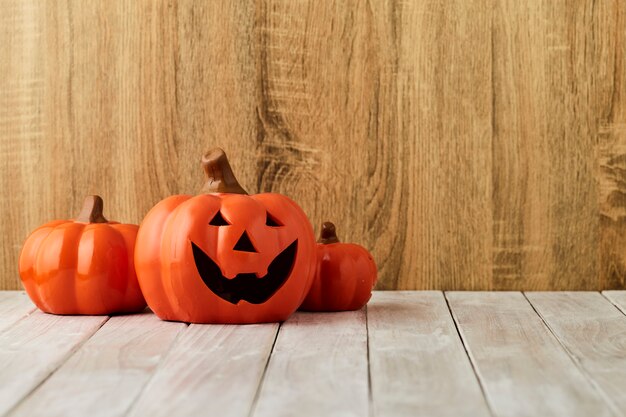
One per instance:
(257,251)
(225,258)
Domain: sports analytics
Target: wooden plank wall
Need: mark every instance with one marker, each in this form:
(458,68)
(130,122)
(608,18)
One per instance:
(468,144)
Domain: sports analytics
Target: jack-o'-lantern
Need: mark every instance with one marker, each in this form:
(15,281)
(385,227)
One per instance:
(345,275)
(224,256)
(82,266)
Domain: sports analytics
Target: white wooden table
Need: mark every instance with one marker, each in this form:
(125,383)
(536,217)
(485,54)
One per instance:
(408,354)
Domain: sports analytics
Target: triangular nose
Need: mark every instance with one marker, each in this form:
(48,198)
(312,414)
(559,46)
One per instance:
(244,244)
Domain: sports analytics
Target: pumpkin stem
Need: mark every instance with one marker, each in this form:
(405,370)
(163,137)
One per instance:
(92,210)
(219,174)
(328,234)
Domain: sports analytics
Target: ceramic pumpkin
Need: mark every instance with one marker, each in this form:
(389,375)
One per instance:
(345,275)
(82,266)
(224,256)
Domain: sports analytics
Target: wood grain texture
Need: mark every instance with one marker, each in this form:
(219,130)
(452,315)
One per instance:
(593,332)
(523,369)
(212,370)
(418,365)
(13,307)
(35,347)
(318,367)
(562,355)
(469,145)
(105,376)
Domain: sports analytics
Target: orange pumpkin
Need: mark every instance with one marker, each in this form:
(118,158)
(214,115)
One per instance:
(224,256)
(82,266)
(345,276)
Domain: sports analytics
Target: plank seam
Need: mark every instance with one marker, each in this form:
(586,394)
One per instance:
(156,369)
(469,355)
(61,362)
(31,311)
(617,306)
(612,407)
(257,394)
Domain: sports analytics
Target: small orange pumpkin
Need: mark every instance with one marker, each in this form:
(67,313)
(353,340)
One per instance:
(345,276)
(224,256)
(82,266)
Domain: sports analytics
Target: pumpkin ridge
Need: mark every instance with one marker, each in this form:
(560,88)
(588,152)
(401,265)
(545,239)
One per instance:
(354,280)
(120,235)
(116,229)
(35,268)
(31,258)
(129,245)
(162,211)
(87,305)
(71,293)
(132,299)
(165,278)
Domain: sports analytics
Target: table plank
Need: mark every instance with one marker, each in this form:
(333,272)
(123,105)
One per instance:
(34,347)
(212,370)
(523,369)
(14,305)
(618,298)
(593,331)
(418,364)
(104,377)
(318,367)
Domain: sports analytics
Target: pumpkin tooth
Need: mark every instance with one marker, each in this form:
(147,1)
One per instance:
(261,274)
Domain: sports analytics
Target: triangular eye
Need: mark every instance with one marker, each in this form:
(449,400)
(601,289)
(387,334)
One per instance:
(271,221)
(218,220)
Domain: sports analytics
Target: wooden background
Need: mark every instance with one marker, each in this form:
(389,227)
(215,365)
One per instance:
(468,144)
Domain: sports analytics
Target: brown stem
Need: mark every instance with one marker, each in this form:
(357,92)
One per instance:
(92,210)
(219,174)
(328,234)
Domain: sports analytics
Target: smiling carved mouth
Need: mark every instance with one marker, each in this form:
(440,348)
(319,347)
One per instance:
(245,286)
